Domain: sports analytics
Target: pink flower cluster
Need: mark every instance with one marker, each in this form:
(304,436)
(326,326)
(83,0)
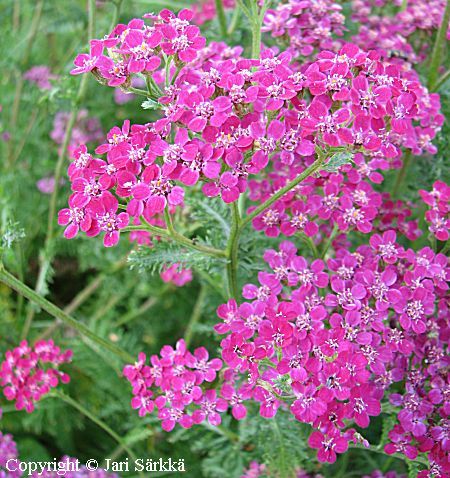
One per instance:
(226,118)
(400,35)
(176,275)
(139,48)
(305,26)
(8,451)
(41,76)
(85,130)
(255,470)
(172,383)
(205,10)
(328,340)
(30,372)
(438,216)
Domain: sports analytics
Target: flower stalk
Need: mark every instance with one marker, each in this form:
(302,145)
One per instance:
(47,253)
(222,18)
(84,411)
(21,288)
(436,56)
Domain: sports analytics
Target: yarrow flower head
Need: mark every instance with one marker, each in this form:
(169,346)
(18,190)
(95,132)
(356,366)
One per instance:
(338,353)
(30,372)
(8,451)
(438,216)
(171,383)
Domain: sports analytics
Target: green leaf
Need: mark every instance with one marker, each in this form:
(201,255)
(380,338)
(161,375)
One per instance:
(150,105)
(166,254)
(338,160)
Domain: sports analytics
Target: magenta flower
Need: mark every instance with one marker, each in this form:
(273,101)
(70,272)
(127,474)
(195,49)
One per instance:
(227,187)
(235,398)
(210,408)
(107,220)
(86,62)
(327,445)
(362,405)
(268,403)
(75,218)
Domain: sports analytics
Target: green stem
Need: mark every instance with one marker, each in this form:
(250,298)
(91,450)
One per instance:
(176,236)
(238,224)
(256,39)
(82,297)
(115,17)
(234,20)
(312,245)
(137,91)
(222,18)
(330,241)
(244,8)
(380,451)
(442,80)
(281,192)
(46,256)
(167,70)
(436,56)
(196,315)
(401,175)
(74,404)
(232,251)
(21,288)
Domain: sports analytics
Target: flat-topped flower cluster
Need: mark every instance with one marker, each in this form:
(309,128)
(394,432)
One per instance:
(329,340)
(227,118)
(30,372)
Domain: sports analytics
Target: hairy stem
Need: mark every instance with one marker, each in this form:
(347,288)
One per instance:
(232,251)
(171,233)
(401,175)
(436,56)
(441,81)
(77,406)
(380,451)
(196,315)
(281,192)
(21,288)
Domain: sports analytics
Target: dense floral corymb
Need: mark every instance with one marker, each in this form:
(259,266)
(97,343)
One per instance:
(225,120)
(171,383)
(8,451)
(328,340)
(438,216)
(30,372)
